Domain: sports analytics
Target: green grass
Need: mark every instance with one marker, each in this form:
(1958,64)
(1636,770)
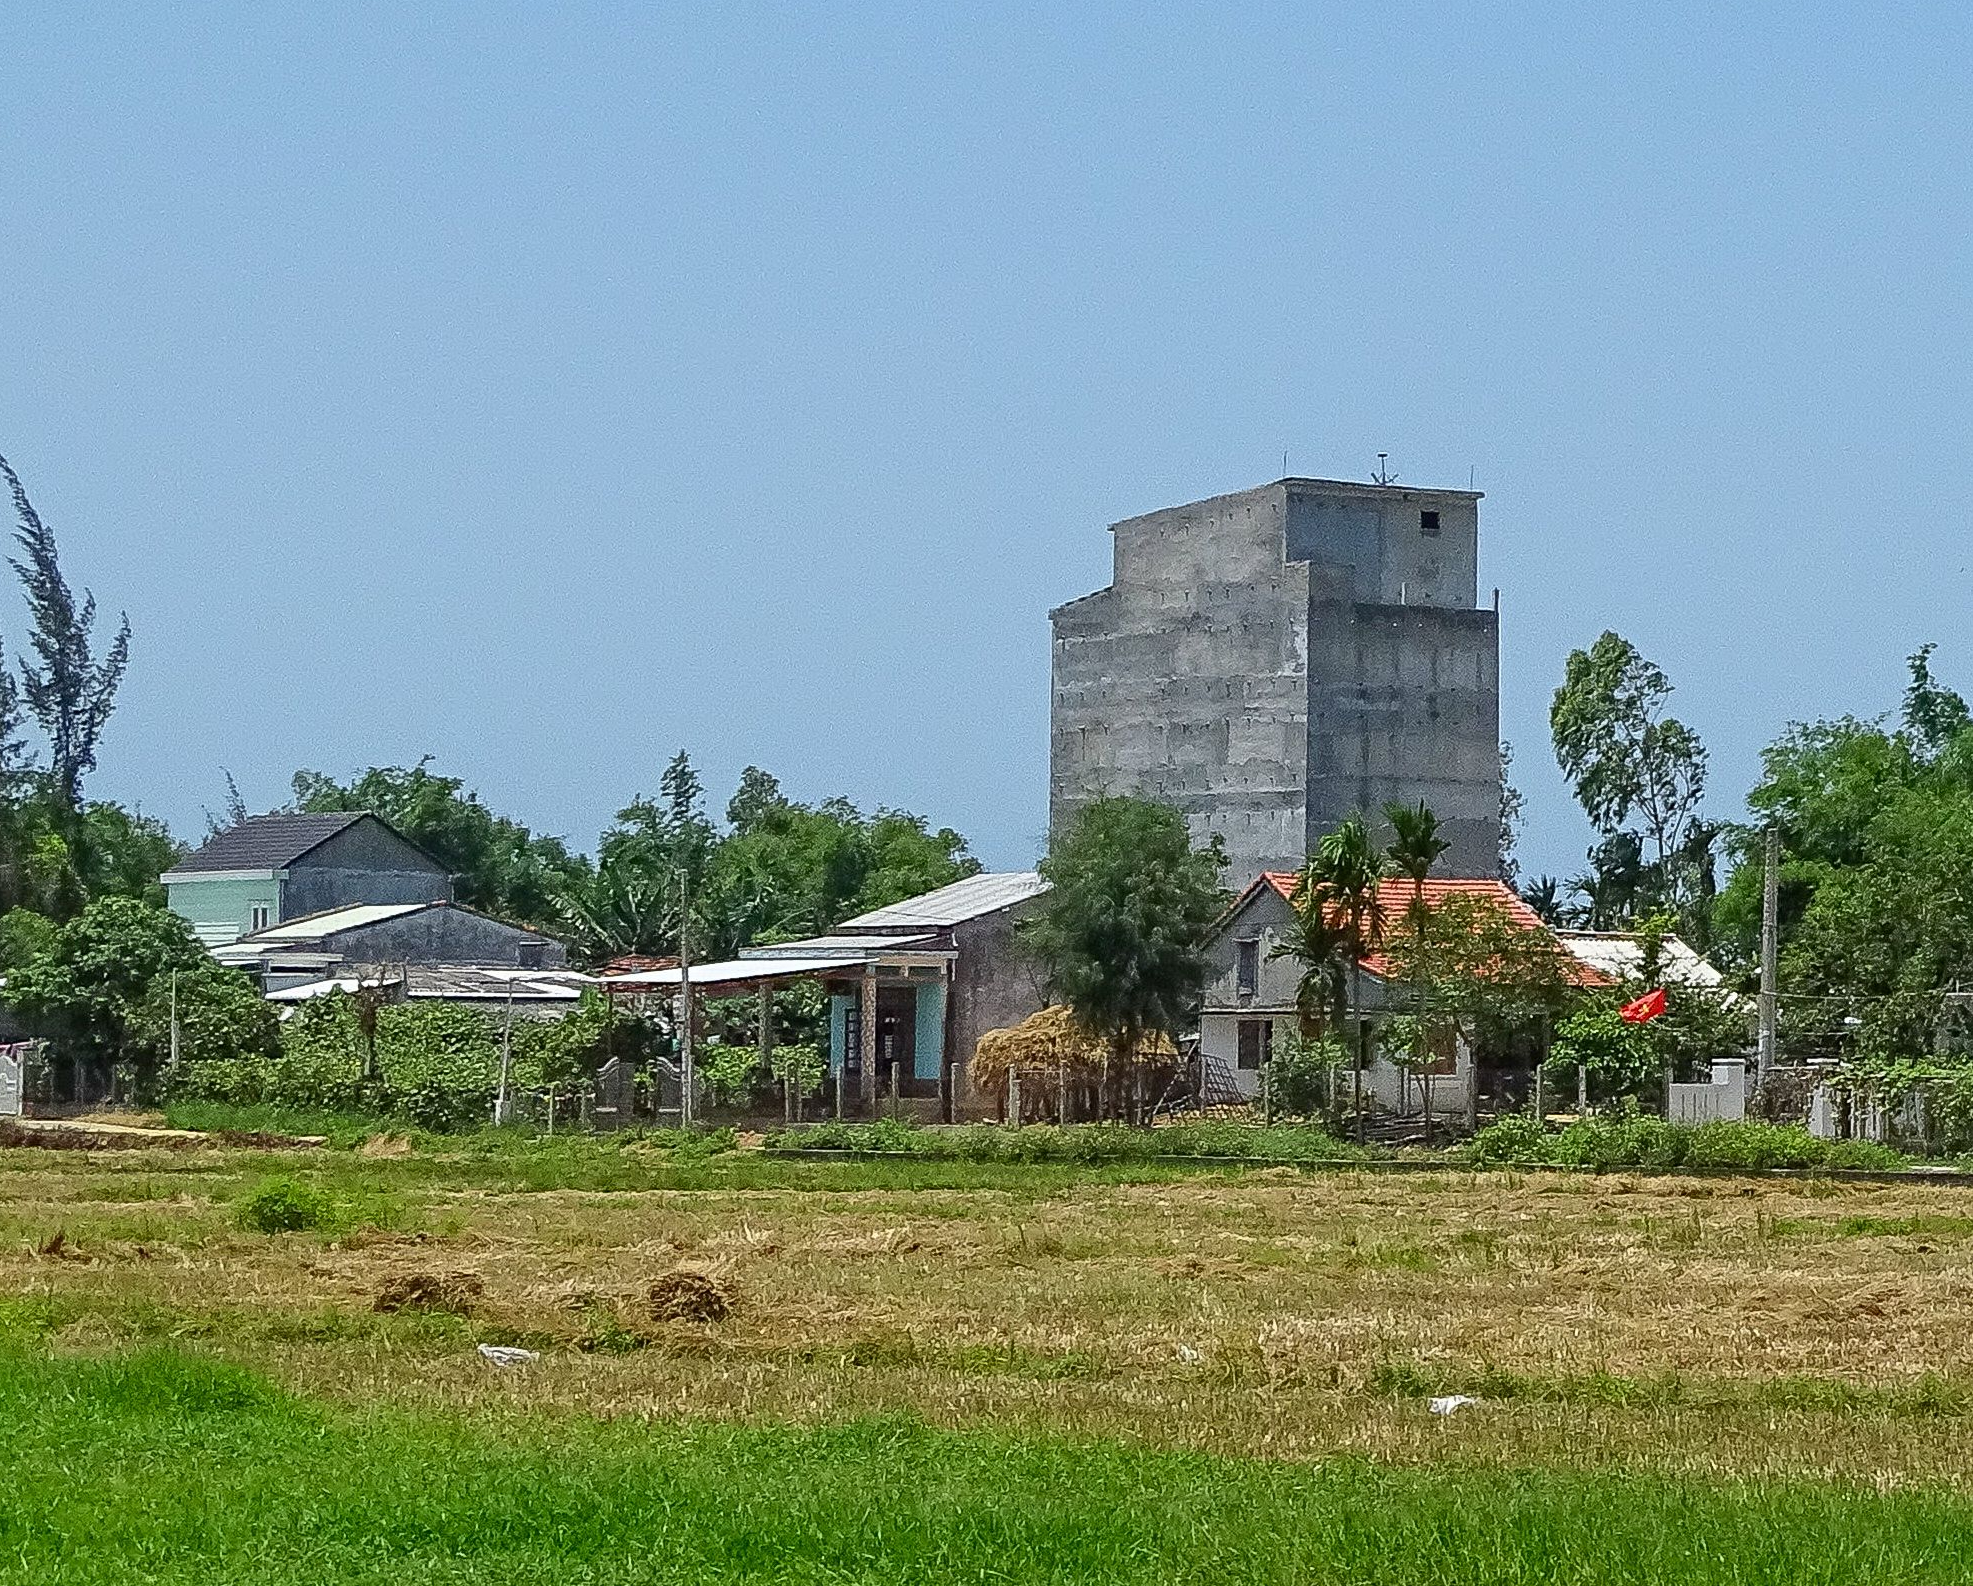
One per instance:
(1927,1398)
(168,1468)
(1077,1143)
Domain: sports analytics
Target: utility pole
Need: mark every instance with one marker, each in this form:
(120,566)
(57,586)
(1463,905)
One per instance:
(684,1009)
(174,1021)
(1764,1054)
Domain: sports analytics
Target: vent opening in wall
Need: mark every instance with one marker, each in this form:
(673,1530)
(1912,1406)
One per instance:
(1428,524)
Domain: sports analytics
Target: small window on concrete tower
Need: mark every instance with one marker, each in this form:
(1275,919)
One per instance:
(1428,524)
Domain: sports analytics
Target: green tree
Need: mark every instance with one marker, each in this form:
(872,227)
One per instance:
(221,1016)
(1122,930)
(1633,768)
(1511,803)
(780,869)
(1346,875)
(1318,939)
(1415,847)
(499,865)
(1595,1038)
(1876,830)
(68,690)
(1490,980)
(83,991)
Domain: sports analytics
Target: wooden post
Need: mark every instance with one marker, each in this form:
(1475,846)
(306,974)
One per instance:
(1582,1090)
(1013,1098)
(764,1042)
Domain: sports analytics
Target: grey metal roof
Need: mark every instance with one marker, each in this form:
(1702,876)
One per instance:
(955,904)
(456,983)
(266,842)
(846,947)
(729,972)
(329,922)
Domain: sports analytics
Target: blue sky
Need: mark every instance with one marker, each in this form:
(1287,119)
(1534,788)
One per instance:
(547,388)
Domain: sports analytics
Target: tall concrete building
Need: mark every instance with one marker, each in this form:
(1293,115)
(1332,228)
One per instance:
(1270,661)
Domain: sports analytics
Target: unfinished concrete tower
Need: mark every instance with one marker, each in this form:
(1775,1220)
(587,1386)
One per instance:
(1270,661)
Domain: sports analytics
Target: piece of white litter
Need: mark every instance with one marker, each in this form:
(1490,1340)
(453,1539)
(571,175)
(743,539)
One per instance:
(1450,1402)
(1189,1355)
(507,1355)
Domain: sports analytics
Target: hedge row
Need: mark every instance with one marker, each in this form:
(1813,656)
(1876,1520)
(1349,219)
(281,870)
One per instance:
(1082,1142)
(1619,1141)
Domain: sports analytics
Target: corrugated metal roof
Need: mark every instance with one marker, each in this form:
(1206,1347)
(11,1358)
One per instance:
(265,842)
(313,927)
(1620,955)
(957,903)
(732,971)
(851,947)
(456,983)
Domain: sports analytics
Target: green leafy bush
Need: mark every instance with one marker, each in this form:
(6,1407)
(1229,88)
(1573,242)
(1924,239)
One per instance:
(1300,1072)
(1087,1142)
(285,1206)
(1628,1140)
(1518,1137)
(729,1076)
(437,1064)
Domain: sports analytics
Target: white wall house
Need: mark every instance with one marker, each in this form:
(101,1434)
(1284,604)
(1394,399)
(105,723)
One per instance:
(1250,997)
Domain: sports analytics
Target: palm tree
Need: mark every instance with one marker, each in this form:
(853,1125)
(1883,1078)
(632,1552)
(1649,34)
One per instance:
(1415,847)
(1317,940)
(1345,871)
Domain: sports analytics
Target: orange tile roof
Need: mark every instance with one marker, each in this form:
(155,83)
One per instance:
(1394,894)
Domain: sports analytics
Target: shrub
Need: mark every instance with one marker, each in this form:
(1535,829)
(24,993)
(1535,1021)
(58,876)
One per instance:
(1619,1140)
(437,1064)
(1299,1072)
(1518,1137)
(1083,1142)
(285,1206)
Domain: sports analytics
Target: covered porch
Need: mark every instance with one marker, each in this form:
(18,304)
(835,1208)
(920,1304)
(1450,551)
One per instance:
(888,1000)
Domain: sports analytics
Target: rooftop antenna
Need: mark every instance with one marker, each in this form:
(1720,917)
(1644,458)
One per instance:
(1383,476)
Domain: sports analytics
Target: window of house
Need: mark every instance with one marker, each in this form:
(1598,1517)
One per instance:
(1428,525)
(1247,966)
(258,917)
(1443,1043)
(1256,1042)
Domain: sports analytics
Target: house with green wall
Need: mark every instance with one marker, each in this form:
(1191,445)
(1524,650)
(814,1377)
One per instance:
(270,869)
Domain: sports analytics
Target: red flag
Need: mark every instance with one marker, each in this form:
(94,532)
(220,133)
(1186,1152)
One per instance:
(1647,1007)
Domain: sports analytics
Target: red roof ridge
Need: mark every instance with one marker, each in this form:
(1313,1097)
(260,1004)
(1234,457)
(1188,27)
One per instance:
(1394,893)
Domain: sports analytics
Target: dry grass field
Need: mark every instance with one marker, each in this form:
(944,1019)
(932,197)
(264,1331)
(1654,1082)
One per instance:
(1691,1326)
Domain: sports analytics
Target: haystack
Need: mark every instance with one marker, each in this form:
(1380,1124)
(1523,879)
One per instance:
(1048,1043)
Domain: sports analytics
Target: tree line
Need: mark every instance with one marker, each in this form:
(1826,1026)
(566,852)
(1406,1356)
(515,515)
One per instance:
(1875,818)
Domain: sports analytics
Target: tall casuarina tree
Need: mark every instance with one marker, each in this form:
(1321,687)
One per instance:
(67,689)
